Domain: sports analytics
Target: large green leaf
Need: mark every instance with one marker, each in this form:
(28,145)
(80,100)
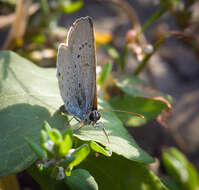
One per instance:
(140,99)
(28,96)
(118,173)
(120,141)
(81,179)
(147,107)
(134,86)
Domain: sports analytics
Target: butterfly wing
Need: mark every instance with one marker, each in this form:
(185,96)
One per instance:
(67,80)
(76,68)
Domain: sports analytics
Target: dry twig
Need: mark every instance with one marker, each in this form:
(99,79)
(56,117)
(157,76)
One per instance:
(19,25)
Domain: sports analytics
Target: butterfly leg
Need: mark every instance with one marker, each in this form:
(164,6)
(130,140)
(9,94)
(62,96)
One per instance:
(68,122)
(78,120)
(100,124)
(80,125)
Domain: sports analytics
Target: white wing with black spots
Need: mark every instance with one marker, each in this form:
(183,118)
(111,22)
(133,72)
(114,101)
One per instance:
(76,68)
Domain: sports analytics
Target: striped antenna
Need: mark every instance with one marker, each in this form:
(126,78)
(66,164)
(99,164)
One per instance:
(122,111)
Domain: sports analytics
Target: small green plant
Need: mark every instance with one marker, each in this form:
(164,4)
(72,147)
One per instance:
(59,156)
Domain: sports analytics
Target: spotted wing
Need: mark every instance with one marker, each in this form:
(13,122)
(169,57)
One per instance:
(76,68)
(82,45)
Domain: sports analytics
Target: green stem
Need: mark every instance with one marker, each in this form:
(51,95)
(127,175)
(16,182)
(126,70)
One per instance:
(45,6)
(152,19)
(123,58)
(147,57)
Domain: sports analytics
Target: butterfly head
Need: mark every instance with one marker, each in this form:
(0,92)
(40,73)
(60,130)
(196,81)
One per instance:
(94,116)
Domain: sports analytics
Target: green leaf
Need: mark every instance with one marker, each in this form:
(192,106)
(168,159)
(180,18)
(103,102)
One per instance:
(55,136)
(44,136)
(112,52)
(180,169)
(134,86)
(120,141)
(70,7)
(105,72)
(29,95)
(36,148)
(170,184)
(38,38)
(80,154)
(143,100)
(65,145)
(67,161)
(117,172)
(46,126)
(147,107)
(81,179)
(68,132)
(97,148)
(45,6)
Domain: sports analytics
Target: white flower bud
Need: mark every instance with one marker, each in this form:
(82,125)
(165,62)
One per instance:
(49,145)
(70,152)
(148,49)
(61,174)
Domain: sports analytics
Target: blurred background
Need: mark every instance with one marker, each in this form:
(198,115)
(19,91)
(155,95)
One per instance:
(167,31)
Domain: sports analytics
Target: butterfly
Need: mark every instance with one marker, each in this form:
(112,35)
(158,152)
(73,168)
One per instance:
(76,72)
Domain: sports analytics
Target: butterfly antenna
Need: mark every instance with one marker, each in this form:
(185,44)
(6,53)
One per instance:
(122,111)
(106,134)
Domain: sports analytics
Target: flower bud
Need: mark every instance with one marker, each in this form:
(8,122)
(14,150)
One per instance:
(130,35)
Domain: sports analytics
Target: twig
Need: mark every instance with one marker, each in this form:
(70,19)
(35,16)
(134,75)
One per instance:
(135,24)
(19,26)
(9,19)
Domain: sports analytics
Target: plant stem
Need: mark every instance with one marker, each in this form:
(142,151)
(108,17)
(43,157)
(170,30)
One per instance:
(147,57)
(123,58)
(45,6)
(152,19)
